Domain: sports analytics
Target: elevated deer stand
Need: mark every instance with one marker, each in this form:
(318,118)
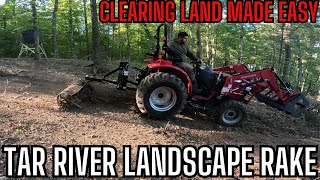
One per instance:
(28,45)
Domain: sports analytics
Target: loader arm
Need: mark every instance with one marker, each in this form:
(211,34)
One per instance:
(264,84)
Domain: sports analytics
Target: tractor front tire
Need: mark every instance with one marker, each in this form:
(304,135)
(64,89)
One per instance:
(161,95)
(231,113)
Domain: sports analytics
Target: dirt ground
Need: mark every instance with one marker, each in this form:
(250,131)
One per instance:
(29,115)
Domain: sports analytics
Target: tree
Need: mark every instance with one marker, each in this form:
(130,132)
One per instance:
(128,41)
(72,45)
(287,48)
(148,33)
(54,29)
(170,31)
(240,51)
(95,33)
(199,43)
(35,29)
(299,62)
(281,45)
(86,25)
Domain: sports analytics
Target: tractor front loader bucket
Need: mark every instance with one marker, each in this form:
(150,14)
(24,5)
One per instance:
(74,94)
(295,107)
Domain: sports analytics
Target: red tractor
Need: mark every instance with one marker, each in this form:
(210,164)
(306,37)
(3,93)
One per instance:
(163,89)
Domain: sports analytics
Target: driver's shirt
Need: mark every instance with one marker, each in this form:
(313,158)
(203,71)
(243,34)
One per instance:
(179,52)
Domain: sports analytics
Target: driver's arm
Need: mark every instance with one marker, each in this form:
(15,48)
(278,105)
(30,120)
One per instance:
(191,55)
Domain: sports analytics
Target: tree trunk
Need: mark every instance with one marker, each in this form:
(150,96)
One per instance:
(86,25)
(128,41)
(113,32)
(207,43)
(14,23)
(35,29)
(281,45)
(307,69)
(255,52)
(240,52)
(169,32)
(273,56)
(226,61)
(5,15)
(14,9)
(108,40)
(212,58)
(303,83)
(199,44)
(120,50)
(191,36)
(310,84)
(54,29)
(287,48)
(4,19)
(214,51)
(95,33)
(149,35)
(287,62)
(72,46)
(299,64)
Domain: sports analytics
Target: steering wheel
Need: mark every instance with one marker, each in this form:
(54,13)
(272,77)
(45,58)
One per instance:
(196,66)
(195,63)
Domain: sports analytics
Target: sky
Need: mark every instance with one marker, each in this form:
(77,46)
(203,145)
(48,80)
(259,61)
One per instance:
(2,2)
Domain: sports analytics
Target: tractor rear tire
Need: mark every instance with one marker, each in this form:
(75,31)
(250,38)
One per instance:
(231,113)
(161,95)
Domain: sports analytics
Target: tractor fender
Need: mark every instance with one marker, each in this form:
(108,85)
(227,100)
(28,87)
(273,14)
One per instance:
(155,67)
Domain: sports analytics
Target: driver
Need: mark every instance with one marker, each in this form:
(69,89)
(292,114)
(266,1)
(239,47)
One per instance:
(178,52)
